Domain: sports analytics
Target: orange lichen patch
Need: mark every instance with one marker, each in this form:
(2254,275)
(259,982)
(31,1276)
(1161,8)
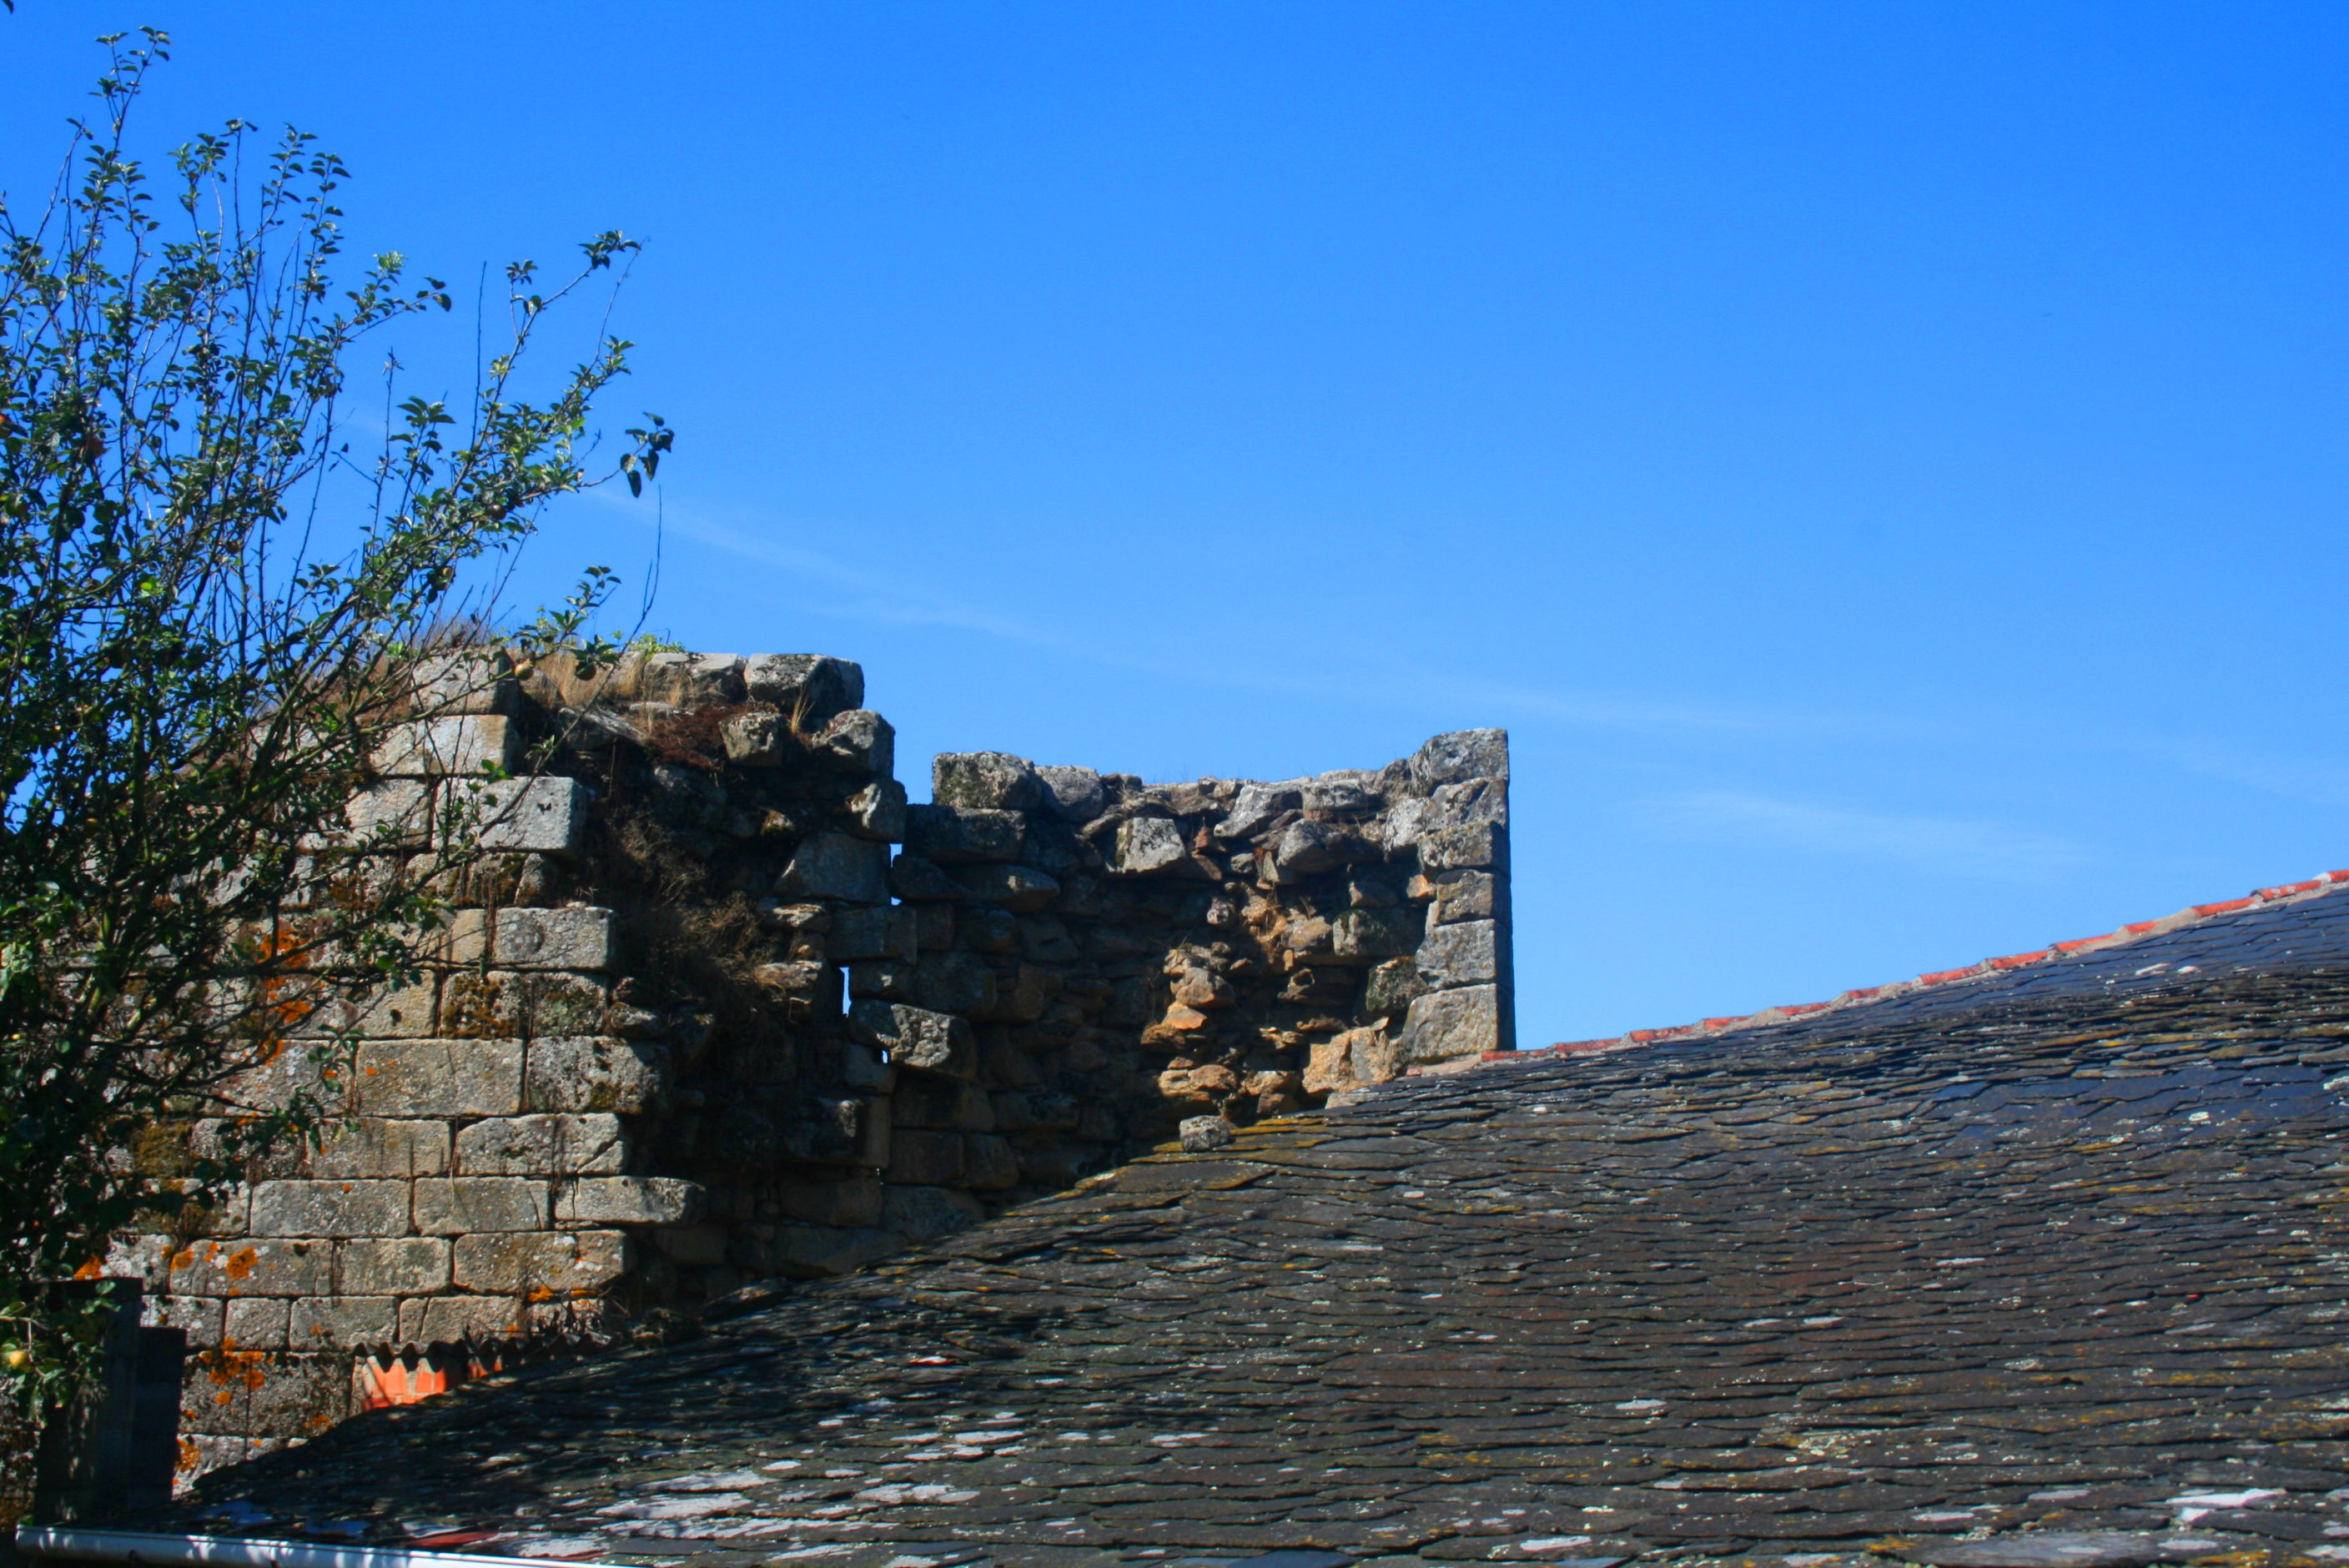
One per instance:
(281,1007)
(241,1266)
(90,1270)
(190,1457)
(229,1367)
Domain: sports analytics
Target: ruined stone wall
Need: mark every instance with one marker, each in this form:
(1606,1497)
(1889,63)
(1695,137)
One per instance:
(722,1008)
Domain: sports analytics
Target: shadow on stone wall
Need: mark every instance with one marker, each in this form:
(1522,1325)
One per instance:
(724,1009)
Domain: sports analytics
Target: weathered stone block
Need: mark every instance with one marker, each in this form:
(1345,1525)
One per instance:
(988,1164)
(1144,845)
(200,1317)
(955,835)
(465,680)
(1328,1066)
(543,816)
(807,1251)
(1073,794)
(1020,997)
(921,1100)
(290,1072)
(1462,953)
(884,979)
(1460,895)
(146,1259)
(458,1319)
(875,933)
(808,687)
(438,1078)
(302,1393)
(254,1324)
(251,1268)
(1376,1054)
(1035,1111)
(1462,845)
(874,1134)
(342,1323)
(547,1145)
(1202,1133)
(1462,755)
(837,866)
(862,1068)
(1445,1024)
(859,742)
(569,938)
(628,1201)
(755,739)
(402,1265)
(925,1158)
(330,1209)
(917,1037)
(406,1013)
(395,814)
(1364,935)
(693,1243)
(987,929)
(1048,942)
(506,879)
(854,1203)
(465,1205)
(507,1004)
(934,926)
(877,812)
(1023,890)
(373,1147)
(561,1263)
(959,983)
(691,680)
(1392,988)
(437,748)
(986,781)
(1257,805)
(914,878)
(925,1213)
(1309,849)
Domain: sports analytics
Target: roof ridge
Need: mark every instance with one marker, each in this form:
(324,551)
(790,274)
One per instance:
(2319,886)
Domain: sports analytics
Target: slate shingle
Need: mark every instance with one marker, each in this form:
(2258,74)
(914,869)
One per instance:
(2059,1252)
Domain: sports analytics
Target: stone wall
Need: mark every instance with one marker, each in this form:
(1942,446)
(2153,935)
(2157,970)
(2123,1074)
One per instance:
(722,1010)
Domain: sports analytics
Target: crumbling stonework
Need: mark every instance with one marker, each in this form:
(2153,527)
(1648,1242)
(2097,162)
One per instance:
(725,1008)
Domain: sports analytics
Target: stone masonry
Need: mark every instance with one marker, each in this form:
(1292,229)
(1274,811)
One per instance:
(721,1007)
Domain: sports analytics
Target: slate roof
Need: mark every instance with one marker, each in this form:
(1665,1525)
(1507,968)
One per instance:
(2061,1252)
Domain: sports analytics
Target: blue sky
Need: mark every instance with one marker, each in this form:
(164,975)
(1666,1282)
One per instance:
(1884,464)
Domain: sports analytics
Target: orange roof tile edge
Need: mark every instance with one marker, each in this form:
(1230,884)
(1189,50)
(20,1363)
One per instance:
(2285,892)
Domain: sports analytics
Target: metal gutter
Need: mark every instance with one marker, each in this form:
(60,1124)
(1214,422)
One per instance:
(71,1543)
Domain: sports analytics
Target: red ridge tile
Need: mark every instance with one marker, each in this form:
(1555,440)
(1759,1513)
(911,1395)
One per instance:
(1943,977)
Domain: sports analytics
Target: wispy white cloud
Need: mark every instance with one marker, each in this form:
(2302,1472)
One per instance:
(2318,780)
(1956,847)
(897,596)
(896,599)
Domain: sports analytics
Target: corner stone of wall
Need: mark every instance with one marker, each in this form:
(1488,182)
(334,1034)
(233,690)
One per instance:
(720,1005)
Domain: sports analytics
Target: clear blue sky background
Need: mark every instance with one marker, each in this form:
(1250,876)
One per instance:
(1884,464)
